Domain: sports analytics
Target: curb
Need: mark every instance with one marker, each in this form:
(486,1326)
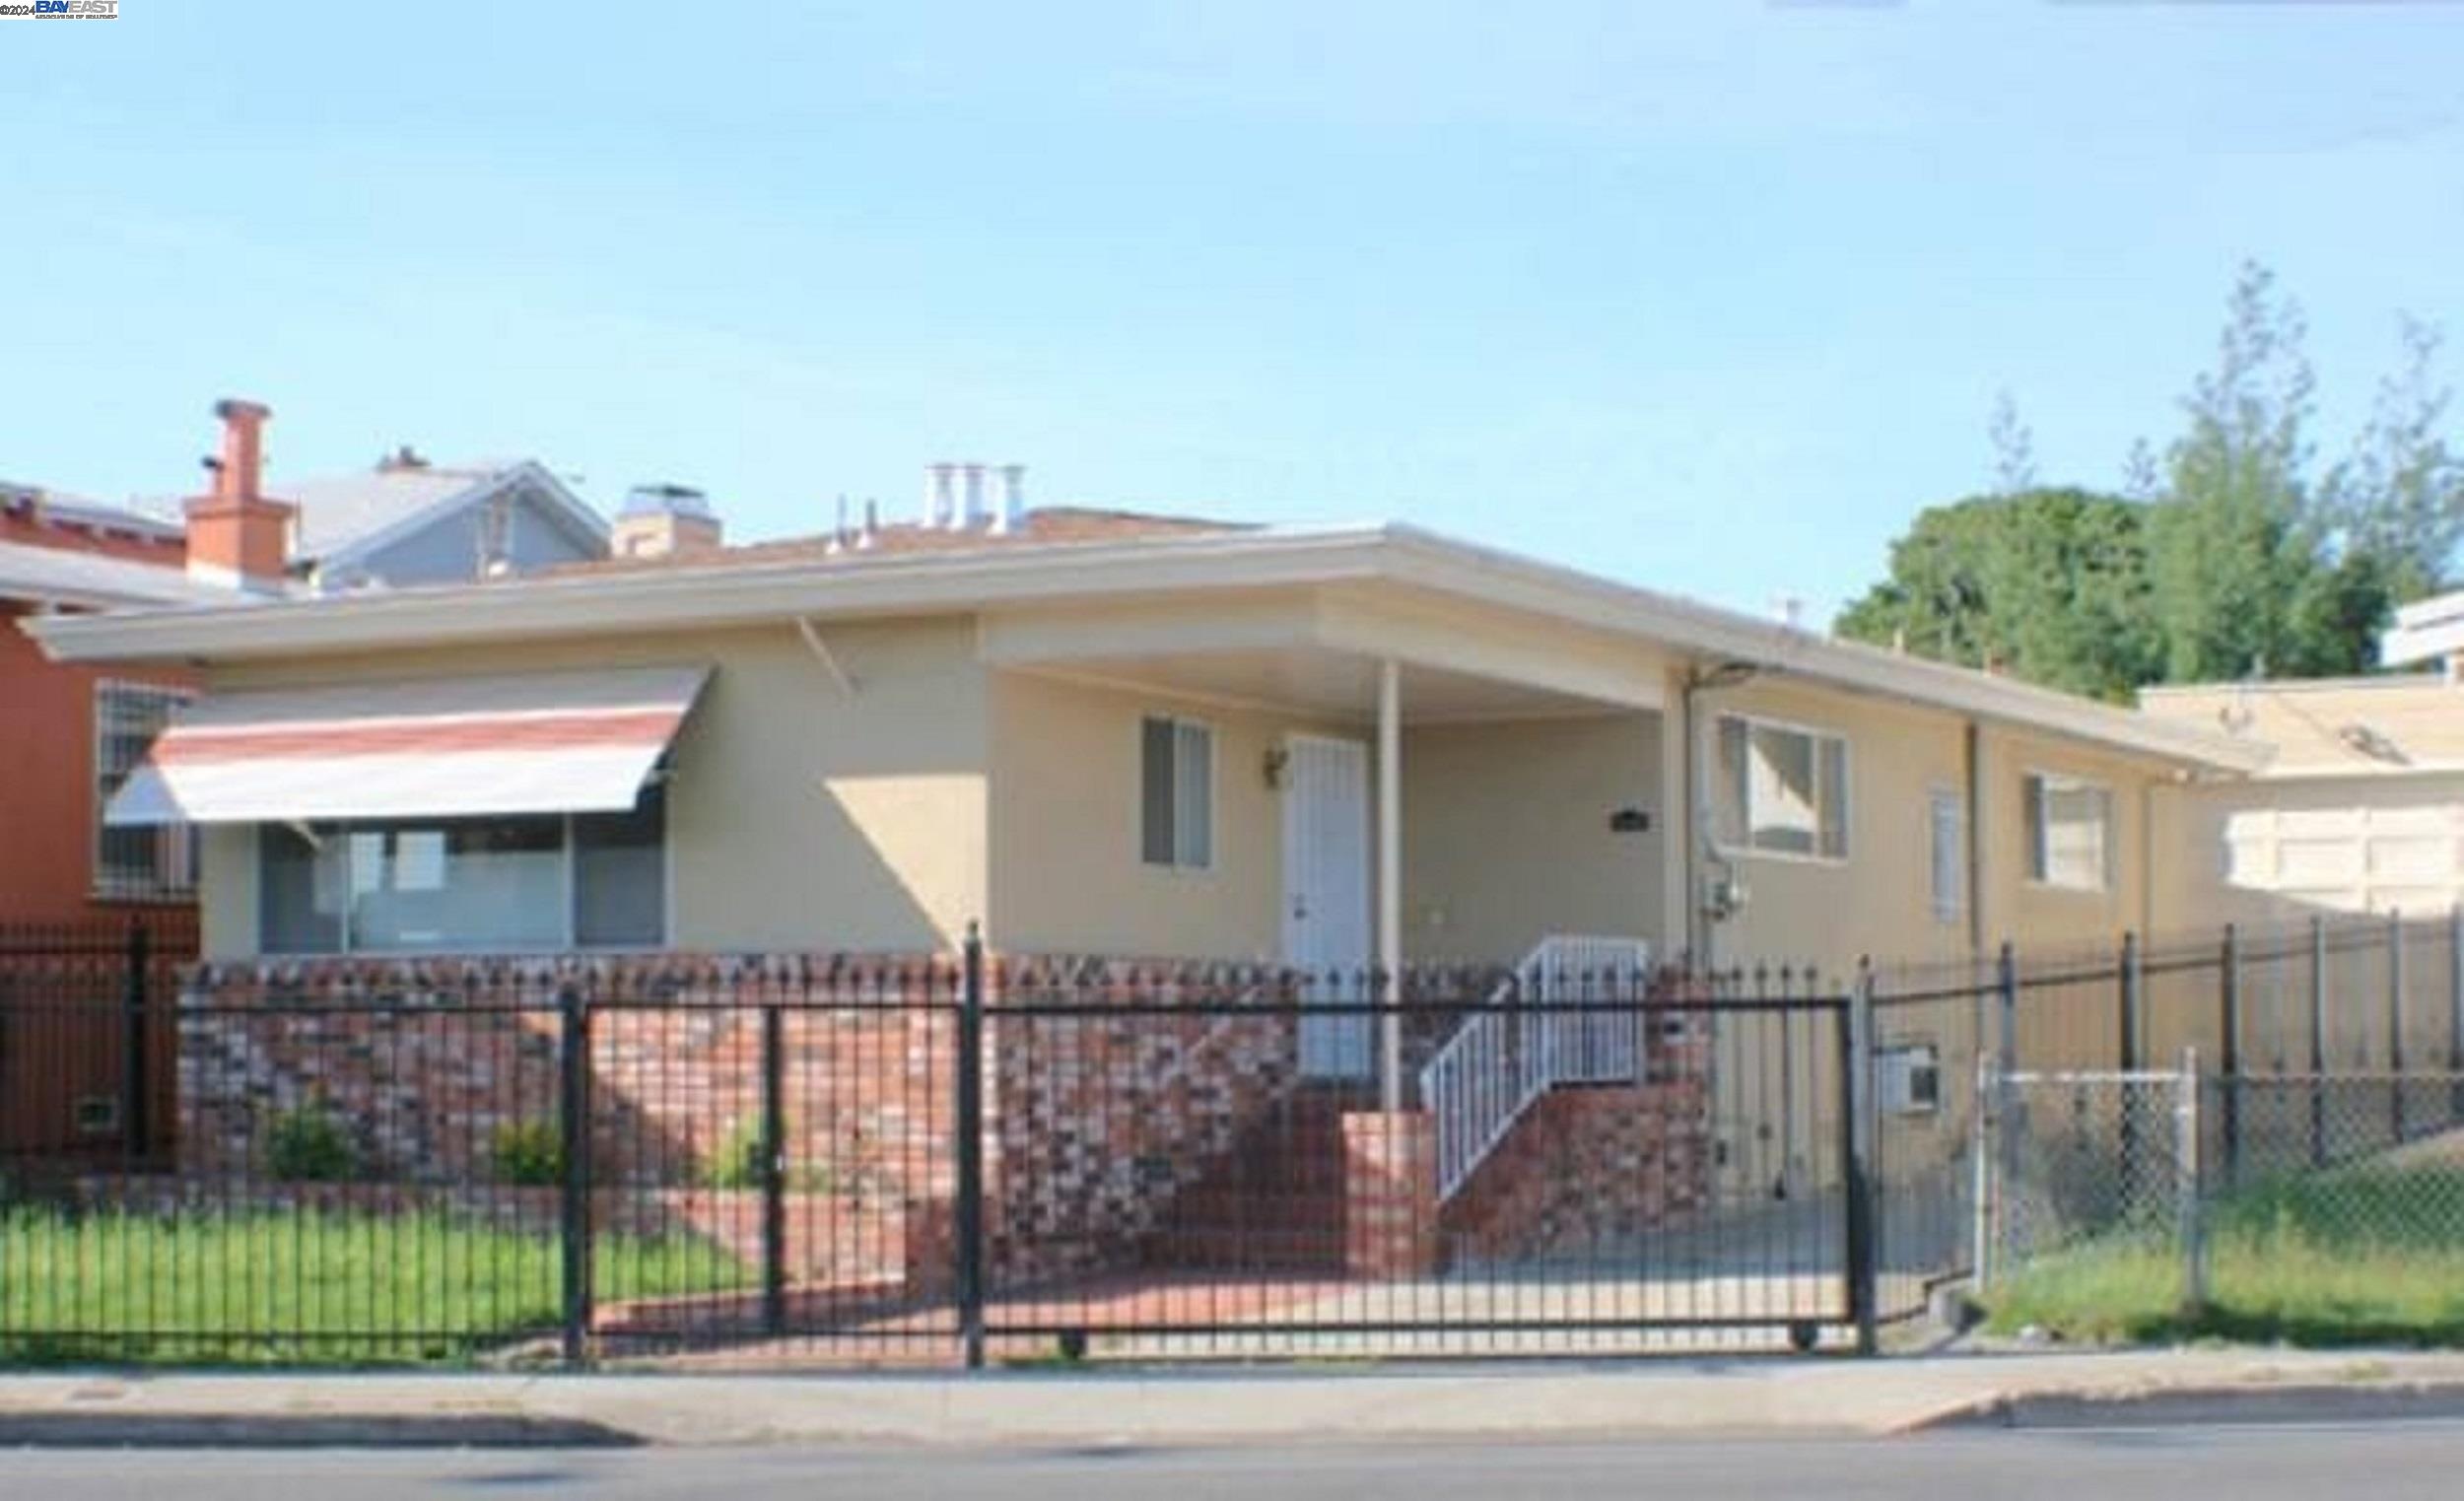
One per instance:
(204,1430)
(2206,1407)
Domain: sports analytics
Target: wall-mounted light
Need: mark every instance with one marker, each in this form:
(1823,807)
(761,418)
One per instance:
(1629,821)
(1278,761)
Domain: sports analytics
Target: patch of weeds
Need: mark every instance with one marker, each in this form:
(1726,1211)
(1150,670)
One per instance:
(527,1153)
(311,1145)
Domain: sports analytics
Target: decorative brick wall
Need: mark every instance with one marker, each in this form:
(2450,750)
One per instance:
(424,1066)
(1096,1117)
(1111,1089)
(1097,1121)
(1391,1216)
(1591,1163)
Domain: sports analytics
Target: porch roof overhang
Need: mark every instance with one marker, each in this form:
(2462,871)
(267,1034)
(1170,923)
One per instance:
(1320,652)
(1410,565)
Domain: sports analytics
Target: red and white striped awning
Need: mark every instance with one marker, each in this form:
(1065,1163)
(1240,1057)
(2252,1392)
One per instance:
(560,743)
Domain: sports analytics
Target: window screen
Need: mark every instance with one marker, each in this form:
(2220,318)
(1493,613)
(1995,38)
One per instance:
(1950,856)
(1176,792)
(146,861)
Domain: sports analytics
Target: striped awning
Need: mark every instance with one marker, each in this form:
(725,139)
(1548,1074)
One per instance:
(560,743)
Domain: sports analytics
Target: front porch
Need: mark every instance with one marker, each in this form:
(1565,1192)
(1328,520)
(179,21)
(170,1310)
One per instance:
(1387,785)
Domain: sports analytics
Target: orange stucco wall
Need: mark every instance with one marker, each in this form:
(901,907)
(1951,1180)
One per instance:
(47,779)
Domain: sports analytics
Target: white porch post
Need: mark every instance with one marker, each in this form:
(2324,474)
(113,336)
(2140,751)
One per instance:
(1391,878)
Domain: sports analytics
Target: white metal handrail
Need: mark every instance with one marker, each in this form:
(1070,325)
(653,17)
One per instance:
(1516,1049)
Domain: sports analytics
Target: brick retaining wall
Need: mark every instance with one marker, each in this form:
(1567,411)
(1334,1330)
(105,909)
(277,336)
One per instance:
(1103,1103)
(1597,1163)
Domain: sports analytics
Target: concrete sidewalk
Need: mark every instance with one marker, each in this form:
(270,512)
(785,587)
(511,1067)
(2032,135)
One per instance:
(1773,1397)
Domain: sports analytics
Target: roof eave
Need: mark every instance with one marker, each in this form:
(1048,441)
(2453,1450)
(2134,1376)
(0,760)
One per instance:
(1713,632)
(709,595)
(923,583)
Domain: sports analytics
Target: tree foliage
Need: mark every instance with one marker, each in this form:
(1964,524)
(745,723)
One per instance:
(2222,559)
(2399,496)
(2051,585)
(2231,541)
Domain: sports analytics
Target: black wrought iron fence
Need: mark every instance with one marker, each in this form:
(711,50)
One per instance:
(92,1078)
(956,1159)
(949,1160)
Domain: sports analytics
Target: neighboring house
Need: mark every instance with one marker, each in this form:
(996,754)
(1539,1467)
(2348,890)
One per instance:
(72,733)
(2360,805)
(1096,732)
(410,520)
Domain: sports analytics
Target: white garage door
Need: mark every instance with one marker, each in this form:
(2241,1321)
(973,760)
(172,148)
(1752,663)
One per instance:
(2350,858)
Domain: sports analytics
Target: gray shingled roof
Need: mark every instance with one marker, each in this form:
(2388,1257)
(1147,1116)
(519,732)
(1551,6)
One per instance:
(339,509)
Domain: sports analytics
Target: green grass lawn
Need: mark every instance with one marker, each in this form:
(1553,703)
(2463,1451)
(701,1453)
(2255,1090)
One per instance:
(2371,1255)
(305,1288)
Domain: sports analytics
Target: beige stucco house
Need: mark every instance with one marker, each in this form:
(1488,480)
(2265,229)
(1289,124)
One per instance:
(2360,807)
(1092,733)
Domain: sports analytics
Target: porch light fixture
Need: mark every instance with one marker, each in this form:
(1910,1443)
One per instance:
(1629,821)
(1278,761)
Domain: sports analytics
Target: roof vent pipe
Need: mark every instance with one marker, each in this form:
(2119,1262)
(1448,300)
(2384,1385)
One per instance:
(1013,498)
(976,514)
(941,496)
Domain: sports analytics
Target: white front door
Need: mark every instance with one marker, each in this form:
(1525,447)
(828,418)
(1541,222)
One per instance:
(1326,897)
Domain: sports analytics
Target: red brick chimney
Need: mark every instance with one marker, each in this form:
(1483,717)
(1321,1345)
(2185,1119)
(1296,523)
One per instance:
(236,537)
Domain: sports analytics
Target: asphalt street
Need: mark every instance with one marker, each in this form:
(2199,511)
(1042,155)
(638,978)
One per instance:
(2389,1461)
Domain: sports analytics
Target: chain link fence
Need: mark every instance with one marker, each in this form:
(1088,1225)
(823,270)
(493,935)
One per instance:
(2082,1162)
(2313,1206)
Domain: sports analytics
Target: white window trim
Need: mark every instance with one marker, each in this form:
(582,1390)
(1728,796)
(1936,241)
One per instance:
(1847,793)
(1137,791)
(344,948)
(159,893)
(2030,810)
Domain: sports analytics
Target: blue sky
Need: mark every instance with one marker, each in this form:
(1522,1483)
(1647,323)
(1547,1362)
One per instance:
(1711,297)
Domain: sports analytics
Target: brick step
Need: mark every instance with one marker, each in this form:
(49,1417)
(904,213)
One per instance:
(1275,1201)
(1258,1251)
(1211,1209)
(1320,1172)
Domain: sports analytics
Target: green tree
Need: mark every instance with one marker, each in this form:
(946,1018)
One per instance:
(2222,560)
(2051,585)
(2014,448)
(2232,541)
(2399,496)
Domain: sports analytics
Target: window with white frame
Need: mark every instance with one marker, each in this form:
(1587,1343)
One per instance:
(467,885)
(1946,837)
(1176,792)
(2069,831)
(141,862)
(1783,790)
